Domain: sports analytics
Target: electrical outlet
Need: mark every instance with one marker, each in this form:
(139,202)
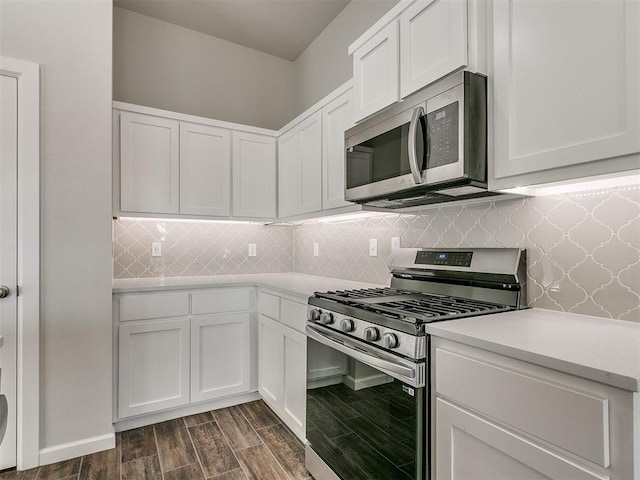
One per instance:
(373,247)
(316,249)
(395,243)
(156,249)
(252,250)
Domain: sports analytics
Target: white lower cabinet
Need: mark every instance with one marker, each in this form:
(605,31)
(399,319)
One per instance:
(501,418)
(153,366)
(220,355)
(203,355)
(282,372)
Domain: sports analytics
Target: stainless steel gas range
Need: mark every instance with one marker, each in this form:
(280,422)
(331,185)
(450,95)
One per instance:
(368,357)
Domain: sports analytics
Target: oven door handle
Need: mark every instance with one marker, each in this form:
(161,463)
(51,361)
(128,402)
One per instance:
(409,375)
(413,158)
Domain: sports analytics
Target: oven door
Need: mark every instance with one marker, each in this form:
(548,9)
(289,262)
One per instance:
(366,411)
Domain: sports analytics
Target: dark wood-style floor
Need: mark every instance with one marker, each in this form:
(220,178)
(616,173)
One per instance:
(238,443)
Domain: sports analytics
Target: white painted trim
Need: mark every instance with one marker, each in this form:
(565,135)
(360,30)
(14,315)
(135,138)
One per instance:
(78,448)
(318,105)
(183,117)
(150,419)
(366,382)
(28,346)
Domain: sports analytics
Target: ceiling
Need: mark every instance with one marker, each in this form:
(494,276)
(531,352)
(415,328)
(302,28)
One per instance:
(283,28)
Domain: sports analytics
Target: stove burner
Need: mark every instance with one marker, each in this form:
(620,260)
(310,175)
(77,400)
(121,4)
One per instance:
(411,306)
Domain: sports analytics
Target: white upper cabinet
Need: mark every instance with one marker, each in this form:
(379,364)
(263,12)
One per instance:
(149,164)
(433,42)
(566,90)
(337,117)
(376,66)
(205,169)
(416,43)
(300,167)
(254,175)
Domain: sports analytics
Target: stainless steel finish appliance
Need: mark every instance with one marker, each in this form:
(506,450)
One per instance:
(430,148)
(370,419)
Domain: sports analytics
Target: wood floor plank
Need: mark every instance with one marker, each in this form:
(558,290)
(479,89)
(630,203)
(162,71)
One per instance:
(138,443)
(190,472)
(60,470)
(287,449)
(198,418)
(236,428)
(213,449)
(103,465)
(259,414)
(258,464)
(232,475)
(174,445)
(147,468)
(23,475)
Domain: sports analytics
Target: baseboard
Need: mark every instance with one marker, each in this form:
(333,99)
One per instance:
(150,419)
(366,382)
(78,448)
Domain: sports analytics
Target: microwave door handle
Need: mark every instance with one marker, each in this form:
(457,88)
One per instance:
(413,159)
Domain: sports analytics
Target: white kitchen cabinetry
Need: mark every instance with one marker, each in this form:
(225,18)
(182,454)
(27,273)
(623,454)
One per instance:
(501,418)
(182,347)
(254,175)
(149,164)
(154,366)
(300,167)
(282,353)
(376,72)
(205,170)
(566,90)
(416,43)
(176,165)
(337,117)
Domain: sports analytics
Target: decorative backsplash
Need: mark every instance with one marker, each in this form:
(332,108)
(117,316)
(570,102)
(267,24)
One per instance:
(583,250)
(199,248)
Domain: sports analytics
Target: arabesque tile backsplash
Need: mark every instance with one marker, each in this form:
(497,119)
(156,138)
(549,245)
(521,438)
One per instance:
(583,249)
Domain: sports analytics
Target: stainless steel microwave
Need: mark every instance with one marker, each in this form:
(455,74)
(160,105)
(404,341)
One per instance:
(430,148)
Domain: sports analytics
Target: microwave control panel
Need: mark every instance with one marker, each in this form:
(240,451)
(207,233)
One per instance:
(443,136)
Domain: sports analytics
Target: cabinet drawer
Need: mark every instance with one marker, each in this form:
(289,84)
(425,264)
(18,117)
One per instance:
(293,314)
(269,305)
(221,300)
(155,305)
(571,419)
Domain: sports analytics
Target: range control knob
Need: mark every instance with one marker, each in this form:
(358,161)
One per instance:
(314,315)
(371,334)
(326,318)
(389,340)
(347,325)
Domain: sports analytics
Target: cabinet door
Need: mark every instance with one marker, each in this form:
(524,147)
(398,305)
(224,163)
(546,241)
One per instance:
(205,170)
(295,380)
(433,42)
(220,355)
(270,355)
(311,164)
(566,87)
(288,172)
(469,447)
(254,175)
(376,72)
(337,117)
(153,370)
(149,164)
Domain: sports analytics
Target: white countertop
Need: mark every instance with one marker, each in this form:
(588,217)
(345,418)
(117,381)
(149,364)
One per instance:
(297,284)
(600,349)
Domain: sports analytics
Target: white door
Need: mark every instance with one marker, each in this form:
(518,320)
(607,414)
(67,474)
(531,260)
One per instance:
(294,393)
(311,164)
(270,356)
(288,168)
(8,259)
(337,117)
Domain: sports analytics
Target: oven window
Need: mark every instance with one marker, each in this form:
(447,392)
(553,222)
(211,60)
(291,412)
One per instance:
(384,156)
(365,424)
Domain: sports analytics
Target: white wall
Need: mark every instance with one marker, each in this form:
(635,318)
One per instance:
(158,64)
(325,64)
(72,42)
